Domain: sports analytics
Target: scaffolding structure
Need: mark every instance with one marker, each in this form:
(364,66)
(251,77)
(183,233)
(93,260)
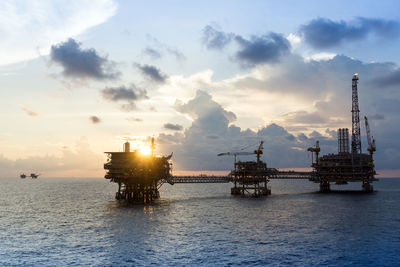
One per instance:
(250,178)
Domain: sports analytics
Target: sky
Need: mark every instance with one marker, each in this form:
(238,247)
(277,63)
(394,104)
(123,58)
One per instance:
(80,78)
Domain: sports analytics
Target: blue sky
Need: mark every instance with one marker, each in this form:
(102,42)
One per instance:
(203,77)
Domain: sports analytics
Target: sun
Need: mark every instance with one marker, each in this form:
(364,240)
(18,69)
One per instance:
(145,150)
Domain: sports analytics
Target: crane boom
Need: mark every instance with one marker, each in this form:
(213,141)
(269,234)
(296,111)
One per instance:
(368,132)
(235,153)
(257,152)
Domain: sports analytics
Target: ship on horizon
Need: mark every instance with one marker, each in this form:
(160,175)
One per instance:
(32,175)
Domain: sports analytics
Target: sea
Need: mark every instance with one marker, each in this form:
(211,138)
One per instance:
(77,221)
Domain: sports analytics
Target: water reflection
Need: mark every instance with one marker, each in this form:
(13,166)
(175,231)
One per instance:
(78,222)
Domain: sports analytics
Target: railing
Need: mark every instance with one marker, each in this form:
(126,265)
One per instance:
(271,174)
(290,175)
(199,179)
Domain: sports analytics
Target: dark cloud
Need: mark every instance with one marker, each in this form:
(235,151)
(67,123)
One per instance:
(123,93)
(214,39)
(377,117)
(82,63)
(30,112)
(152,52)
(94,119)
(173,127)
(325,33)
(314,80)
(389,79)
(254,51)
(152,72)
(274,130)
(261,49)
(129,95)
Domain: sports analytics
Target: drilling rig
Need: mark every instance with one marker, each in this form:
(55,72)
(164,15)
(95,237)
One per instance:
(347,166)
(355,118)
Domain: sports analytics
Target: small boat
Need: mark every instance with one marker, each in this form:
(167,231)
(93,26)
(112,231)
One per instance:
(23,176)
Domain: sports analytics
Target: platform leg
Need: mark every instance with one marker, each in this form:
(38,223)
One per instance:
(367,187)
(324,187)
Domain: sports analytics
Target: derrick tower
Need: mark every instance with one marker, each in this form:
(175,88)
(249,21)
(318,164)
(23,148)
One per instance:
(355,111)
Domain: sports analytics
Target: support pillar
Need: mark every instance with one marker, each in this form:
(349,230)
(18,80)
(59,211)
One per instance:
(324,187)
(367,187)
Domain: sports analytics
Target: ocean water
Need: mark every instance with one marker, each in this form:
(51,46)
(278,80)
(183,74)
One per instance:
(57,222)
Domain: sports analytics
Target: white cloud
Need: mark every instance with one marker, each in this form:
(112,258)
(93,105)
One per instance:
(320,56)
(212,132)
(29,28)
(294,40)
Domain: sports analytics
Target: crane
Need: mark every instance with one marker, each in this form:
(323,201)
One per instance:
(371,141)
(258,152)
(315,150)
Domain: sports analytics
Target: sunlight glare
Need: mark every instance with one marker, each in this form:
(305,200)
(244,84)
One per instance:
(145,150)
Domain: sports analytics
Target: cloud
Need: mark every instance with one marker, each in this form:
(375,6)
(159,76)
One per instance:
(302,116)
(132,119)
(323,33)
(251,52)
(214,39)
(173,127)
(29,28)
(261,49)
(30,112)
(94,119)
(152,52)
(300,96)
(82,63)
(176,53)
(314,95)
(202,106)
(212,132)
(313,80)
(389,79)
(377,117)
(123,93)
(152,72)
(158,49)
(129,95)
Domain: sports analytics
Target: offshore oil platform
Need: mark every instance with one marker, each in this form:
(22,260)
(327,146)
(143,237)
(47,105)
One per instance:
(139,177)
